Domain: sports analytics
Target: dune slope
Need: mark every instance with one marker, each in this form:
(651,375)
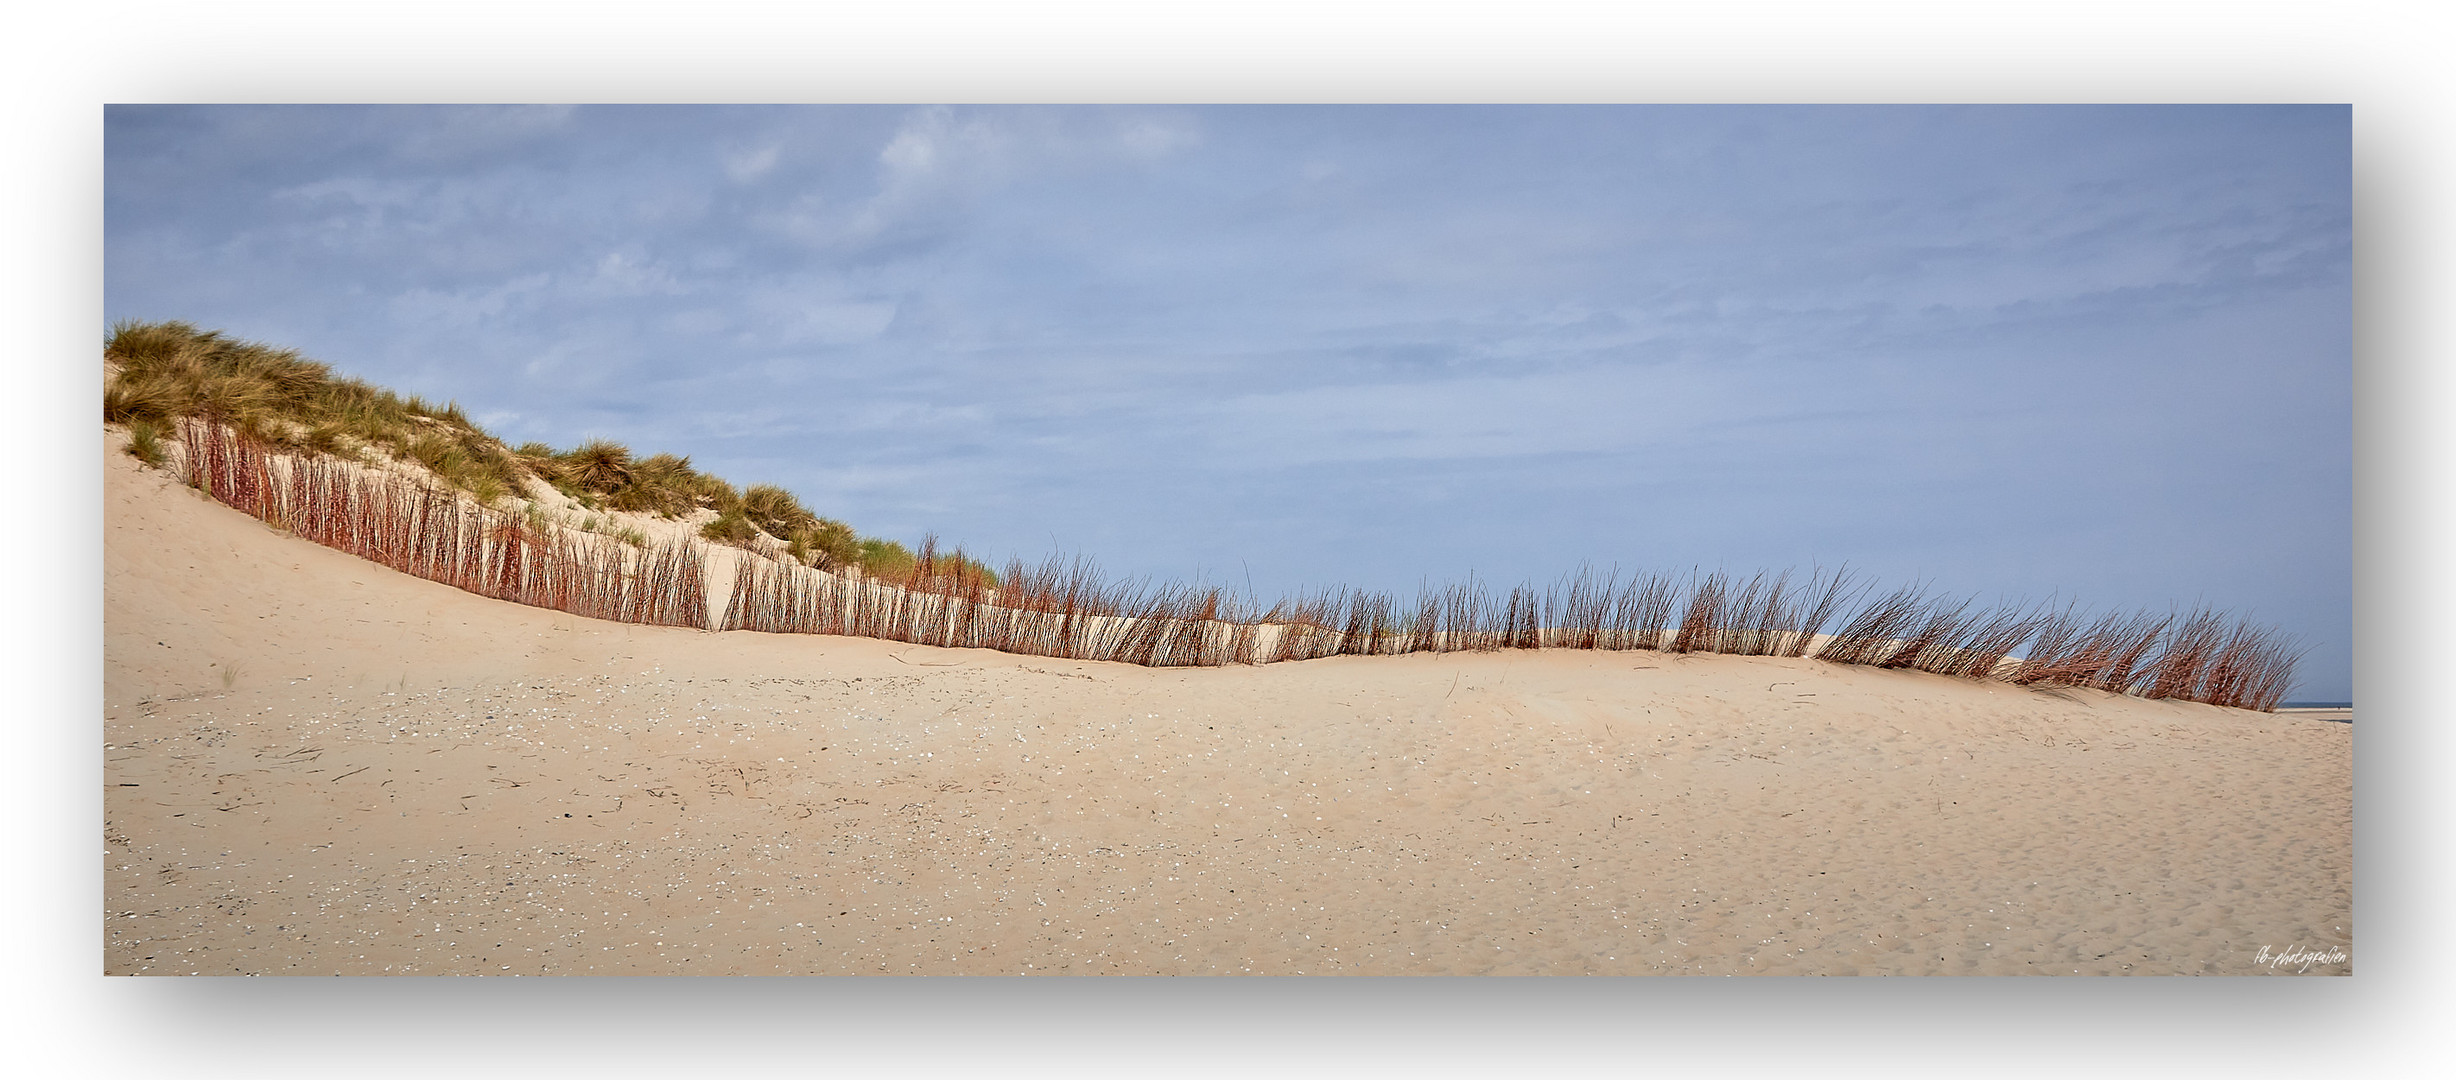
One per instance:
(316,765)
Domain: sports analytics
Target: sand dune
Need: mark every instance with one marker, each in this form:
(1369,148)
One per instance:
(318,765)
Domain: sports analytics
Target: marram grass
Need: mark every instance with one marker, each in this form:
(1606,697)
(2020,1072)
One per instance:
(164,372)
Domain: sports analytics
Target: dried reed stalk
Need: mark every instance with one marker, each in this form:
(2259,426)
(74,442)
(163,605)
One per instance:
(1644,610)
(1876,631)
(1937,634)
(434,534)
(1827,596)
(1063,609)
(1701,626)
(2188,652)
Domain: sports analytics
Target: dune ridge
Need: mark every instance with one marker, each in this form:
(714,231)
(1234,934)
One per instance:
(318,764)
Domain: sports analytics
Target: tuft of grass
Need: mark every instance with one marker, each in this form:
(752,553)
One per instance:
(155,346)
(538,460)
(236,397)
(602,473)
(599,466)
(145,442)
(145,398)
(831,544)
(777,512)
(730,529)
(655,487)
(885,560)
(661,484)
(488,490)
(433,451)
(709,492)
(324,437)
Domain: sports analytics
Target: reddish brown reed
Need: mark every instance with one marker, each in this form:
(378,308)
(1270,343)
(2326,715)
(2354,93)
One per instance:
(433,534)
(2236,668)
(1512,619)
(2187,655)
(969,592)
(1762,617)
(2052,647)
(1830,593)
(1303,628)
(1468,618)
(1643,612)
(2119,649)
(1365,625)
(2101,655)
(1576,610)
(1990,639)
(1701,627)
(1876,631)
(1936,632)
(1063,609)
(1424,627)
(2267,665)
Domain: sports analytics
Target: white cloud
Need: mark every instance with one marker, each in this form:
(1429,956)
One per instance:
(1152,135)
(933,157)
(458,132)
(623,274)
(814,310)
(466,307)
(840,323)
(1596,410)
(750,165)
(907,416)
(355,191)
(933,142)
(939,156)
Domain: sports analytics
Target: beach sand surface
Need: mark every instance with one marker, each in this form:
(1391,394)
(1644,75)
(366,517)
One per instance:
(315,765)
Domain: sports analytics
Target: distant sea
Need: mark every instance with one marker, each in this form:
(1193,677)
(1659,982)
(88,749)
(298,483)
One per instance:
(2340,712)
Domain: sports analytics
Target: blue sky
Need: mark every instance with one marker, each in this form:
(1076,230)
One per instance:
(2097,353)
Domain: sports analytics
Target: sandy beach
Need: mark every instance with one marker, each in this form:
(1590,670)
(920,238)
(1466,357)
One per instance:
(317,765)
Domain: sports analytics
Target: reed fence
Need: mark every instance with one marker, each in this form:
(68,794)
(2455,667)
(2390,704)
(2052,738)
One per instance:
(436,534)
(1064,608)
